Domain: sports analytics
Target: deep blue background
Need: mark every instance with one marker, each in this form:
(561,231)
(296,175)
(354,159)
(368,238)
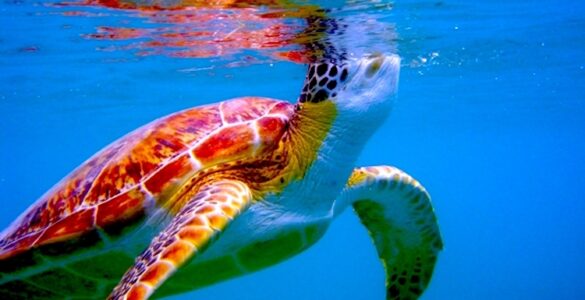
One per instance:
(490,118)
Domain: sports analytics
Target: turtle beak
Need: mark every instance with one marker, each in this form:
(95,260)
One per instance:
(387,67)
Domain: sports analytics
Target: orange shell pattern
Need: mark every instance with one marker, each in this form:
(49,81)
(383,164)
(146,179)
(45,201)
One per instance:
(131,174)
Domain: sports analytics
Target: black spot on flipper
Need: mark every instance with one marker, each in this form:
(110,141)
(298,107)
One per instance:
(393,292)
(343,74)
(140,267)
(321,95)
(323,81)
(415,290)
(168,242)
(332,84)
(437,244)
(311,71)
(322,69)
(414,279)
(333,71)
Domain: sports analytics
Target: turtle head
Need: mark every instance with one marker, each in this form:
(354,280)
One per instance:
(356,86)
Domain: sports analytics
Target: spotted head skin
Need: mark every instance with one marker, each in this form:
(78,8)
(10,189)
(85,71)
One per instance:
(346,99)
(359,85)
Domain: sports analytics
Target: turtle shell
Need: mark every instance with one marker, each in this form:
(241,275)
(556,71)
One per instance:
(132,174)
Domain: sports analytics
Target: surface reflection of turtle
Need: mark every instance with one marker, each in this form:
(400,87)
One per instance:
(201,29)
(222,190)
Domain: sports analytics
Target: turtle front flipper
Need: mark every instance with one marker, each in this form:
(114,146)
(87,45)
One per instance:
(398,214)
(190,231)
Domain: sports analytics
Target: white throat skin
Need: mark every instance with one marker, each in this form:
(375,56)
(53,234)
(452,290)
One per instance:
(337,157)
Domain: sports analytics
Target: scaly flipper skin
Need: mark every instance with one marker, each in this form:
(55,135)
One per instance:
(191,230)
(398,214)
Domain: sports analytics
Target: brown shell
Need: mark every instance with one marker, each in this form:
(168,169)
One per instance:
(131,174)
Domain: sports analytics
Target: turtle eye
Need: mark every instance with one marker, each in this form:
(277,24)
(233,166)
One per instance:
(373,66)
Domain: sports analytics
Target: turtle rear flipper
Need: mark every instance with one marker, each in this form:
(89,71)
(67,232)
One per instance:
(398,214)
(191,230)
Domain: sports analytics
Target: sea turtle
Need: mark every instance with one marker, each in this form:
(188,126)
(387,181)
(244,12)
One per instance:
(221,190)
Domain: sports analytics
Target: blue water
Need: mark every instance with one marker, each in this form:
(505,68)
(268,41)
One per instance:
(490,117)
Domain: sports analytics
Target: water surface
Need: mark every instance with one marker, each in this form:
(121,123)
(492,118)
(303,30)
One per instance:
(489,117)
